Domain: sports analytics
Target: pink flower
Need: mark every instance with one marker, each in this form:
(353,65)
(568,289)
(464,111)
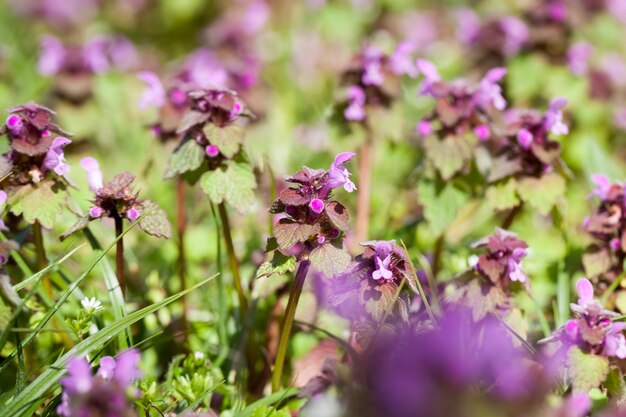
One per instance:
(554,117)
(482,132)
(94,175)
(490,91)
(212,151)
(52,56)
(525,138)
(95,212)
(602,186)
(55,158)
(431,76)
(356,102)
(424,128)
(338,175)
(585,292)
(578,56)
(154,93)
(316,205)
(132,214)
(401,62)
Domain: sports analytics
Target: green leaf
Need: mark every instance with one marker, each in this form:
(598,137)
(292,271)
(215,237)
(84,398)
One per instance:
(586,370)
(272,399)
(440,206)
(118,305)
(288,232)
(38,203)
(542,193)
(596,261)
(228,138)
(35,392)
(279,265)
(187,157)
(482,298)
(377,298)
(503,196)
(80,224)
(234,184)
(155,221)
(329,259)
(450,154)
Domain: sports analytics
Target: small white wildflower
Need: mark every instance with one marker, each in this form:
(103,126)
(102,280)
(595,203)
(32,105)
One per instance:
(91,305)
(198,355)
(472,261)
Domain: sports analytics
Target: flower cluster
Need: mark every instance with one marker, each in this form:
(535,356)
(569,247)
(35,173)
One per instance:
(307,215)
(107,393)
(607,226)
(462,111)
(593,329)
(35,149)
(525,148)
(499,38)
(372,78)
(73,65)
(502,261)
(116,199)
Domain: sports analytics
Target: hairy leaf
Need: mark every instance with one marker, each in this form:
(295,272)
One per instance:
(288,233)
(596,261)
(440,206)
(227,138)
(80,224)
(187,157)
(155,221)
(279,265)
(450,154)
(377,298)
(542,193)
(330,260)
(38,203)
(233,184)
(338,215)
(503,196)
(586,370)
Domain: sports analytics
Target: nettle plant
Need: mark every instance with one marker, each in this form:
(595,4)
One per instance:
(309,229)
(33,171)
(592,344)
(494,278)
(117,200)
(604,258)
(211,148)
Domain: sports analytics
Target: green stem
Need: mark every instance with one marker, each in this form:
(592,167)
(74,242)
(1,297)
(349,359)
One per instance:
(119,254)
(290,313)
(181,223)
(232,260)
(42,261)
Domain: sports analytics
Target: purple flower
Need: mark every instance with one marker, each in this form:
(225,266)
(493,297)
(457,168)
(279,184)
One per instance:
(401,61)
(525,138)
(95,54)
(212,151)
(516,33)
(15,124)
(106,393)
(372,74)
(205,71)
(52,56)
(424,128)
(154,93)
(554,117)
(602,186)
(468,26)
(338,175)
(94,174)
(132,214)
(431,76)
(316,205)
(55,158)
(490,91)
(3,200)
(482,132)
(95,212)
(585,292)
(578,56)
(356,100)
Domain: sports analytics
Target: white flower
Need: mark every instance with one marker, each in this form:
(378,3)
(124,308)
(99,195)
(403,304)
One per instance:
(472,261)
(198,355)
(91,305)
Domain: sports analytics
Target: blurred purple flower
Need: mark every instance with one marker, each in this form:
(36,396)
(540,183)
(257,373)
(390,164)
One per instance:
(372,67)
(107,393)
(431,76)
(490,91)
(94,174)
(516,33)
(424,128)
(554,117)
(52,56)
(602,186)
(154,93)
(468,25)
(401,60)
(578,57)
(619,118)
(355,110)
(3,200)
